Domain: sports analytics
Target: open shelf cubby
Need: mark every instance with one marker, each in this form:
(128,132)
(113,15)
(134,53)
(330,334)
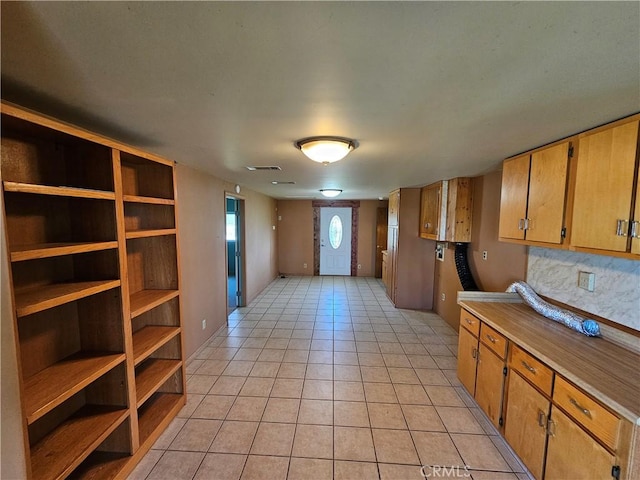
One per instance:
(153,415)
(39,222)
(39,155)
(45,283)
(143,179)
(63,438)
(65,348)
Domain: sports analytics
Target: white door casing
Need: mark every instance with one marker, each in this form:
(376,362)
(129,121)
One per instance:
(335,240)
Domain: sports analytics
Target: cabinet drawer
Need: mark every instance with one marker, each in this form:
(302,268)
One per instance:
(494,340)
(470,322)
(587,412)
(532,369)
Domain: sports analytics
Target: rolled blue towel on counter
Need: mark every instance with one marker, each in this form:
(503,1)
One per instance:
(586,326)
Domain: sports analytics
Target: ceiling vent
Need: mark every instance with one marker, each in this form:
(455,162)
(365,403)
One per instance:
(282,183)
(263,168)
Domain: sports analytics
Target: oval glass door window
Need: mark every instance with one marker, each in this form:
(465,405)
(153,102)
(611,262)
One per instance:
(335,232)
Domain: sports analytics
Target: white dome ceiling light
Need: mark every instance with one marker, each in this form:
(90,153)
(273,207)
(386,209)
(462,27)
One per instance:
(326,150)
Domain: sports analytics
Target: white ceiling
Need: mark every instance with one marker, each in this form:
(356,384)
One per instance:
(430,90)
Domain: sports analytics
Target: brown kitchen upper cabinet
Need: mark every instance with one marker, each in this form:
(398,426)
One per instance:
(394,206)
(446,210)
(603,212)
(532,202)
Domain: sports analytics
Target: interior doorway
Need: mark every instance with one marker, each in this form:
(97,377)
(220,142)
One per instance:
(335,241)
(381,237)
(235,252)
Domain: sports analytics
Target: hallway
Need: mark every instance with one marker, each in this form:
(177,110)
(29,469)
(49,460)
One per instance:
(320,378)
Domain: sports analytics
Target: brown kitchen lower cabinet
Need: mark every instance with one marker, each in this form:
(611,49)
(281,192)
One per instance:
(490,384)
(558,429)
(572,453)
(480,370)
(525,426)
(467,363)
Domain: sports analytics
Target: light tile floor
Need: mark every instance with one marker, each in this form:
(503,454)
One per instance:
(321,378)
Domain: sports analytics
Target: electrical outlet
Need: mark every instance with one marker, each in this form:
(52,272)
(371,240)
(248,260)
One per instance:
(587,280)
(484,254)
(204,323)
(443,297)
(304,265)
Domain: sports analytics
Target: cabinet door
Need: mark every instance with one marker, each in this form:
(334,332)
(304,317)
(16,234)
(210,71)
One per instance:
(392,256)
(513,197)
(572,453)
(604,187)
(547,190)
(635,240)
(467,354)
(490,384)
(430,198)
(394,207)
(525,423)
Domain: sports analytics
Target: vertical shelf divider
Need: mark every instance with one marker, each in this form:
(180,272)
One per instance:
(126,306)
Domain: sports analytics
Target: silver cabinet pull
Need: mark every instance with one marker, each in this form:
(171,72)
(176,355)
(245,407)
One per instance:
(468,321)
(542,419)
(474,353)
(551,428)
(575,403)
(528,367)
(491,339)
(526,224)
(521,224)
(621,229)
(635,233)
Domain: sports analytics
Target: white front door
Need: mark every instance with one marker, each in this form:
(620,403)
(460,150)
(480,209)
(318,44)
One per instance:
(335,241)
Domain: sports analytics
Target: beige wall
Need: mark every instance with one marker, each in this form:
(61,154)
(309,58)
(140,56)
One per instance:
(260,241)
(505,262)
(295,236)
(201,216)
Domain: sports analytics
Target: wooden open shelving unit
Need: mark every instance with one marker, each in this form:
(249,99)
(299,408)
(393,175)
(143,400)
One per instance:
(92,241)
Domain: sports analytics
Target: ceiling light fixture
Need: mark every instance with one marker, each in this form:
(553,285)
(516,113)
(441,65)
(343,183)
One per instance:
(326,150)
(330,192)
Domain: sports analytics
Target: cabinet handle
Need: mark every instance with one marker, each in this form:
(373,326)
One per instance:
(528,367)
(542,419)
(521,224)
(526,224)
(621,230)
(469,322)
(474,353)
(491,339)
(575,403)
(551,428)
(427,225)
(634,229)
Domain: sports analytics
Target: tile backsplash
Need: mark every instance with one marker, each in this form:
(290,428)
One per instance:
(554,274)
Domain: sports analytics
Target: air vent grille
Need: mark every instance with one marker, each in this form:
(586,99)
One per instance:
(282,183)
(263,168)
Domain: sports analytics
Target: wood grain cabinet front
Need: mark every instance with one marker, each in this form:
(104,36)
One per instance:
(526,423)
(533,195)
(557,429)
(480,370)
(606,211)
(446,210)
